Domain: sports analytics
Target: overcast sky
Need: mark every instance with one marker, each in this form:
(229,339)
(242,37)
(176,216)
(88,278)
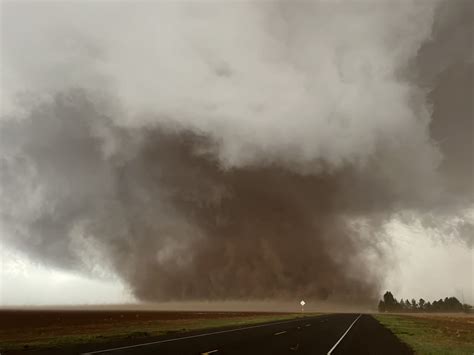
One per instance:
(206,150)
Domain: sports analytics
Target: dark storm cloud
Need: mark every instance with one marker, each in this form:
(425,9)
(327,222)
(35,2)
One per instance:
(256,152)
(172,222)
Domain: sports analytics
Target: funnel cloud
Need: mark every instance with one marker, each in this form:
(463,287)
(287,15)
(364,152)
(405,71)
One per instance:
(252,150)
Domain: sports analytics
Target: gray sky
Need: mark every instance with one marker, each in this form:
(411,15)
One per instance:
(161,151)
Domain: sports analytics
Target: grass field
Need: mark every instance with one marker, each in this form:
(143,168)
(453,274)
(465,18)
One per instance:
(433,334)
(21,330)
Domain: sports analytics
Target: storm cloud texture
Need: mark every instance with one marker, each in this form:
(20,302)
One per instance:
(234,150)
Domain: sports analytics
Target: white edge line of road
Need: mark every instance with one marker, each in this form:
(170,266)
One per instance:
(343,335)
(188,337)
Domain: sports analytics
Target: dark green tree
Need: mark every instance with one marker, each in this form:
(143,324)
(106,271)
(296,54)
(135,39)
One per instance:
(421,303)
(391,304)
(448,304)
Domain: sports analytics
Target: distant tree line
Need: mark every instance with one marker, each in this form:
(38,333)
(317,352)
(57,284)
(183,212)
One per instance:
(449,304)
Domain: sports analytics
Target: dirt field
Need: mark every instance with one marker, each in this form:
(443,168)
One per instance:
(46,318)
(29,329)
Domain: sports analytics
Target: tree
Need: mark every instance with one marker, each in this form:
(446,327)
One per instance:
(448,304)
(421,303)
(391,303)
(436,306)
(402,304)
(453,305)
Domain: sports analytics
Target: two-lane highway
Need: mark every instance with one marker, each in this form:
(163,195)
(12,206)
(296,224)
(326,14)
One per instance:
(327,334)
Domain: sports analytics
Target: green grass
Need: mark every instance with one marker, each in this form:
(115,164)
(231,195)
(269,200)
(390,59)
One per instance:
(53,337)
(432,335)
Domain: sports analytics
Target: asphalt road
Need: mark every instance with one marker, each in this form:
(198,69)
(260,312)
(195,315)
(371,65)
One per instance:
(327,334)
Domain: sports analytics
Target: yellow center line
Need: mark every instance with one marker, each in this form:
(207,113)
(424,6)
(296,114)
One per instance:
(210,352)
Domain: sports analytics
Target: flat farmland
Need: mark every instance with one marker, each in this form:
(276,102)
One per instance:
(37,329)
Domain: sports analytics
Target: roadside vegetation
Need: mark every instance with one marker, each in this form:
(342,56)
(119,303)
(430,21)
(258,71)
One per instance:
(449,304)
(433,334)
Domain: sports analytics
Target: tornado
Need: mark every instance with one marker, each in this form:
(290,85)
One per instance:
(243,151)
